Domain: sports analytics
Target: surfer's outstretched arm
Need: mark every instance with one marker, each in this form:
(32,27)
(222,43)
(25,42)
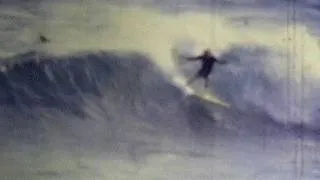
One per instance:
(221,61)
(193,58)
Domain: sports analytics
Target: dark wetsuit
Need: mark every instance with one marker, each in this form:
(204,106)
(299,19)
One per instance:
(208,61)
(207,65)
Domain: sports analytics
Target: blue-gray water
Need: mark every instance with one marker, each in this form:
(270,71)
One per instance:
(98,102)
(105,115)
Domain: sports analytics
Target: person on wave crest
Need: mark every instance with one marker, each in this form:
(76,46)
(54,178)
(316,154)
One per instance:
(208,60)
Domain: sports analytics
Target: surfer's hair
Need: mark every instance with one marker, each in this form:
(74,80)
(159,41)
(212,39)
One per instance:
(207,51)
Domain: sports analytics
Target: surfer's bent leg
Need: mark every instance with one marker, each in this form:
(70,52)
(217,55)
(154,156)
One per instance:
(206,78)
(206,82)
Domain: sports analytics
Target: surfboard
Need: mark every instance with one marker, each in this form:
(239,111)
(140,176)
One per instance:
(210,97)
(205,94)
(213,99)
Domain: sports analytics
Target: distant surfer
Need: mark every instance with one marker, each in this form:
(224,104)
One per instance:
(208,60)
(43,39)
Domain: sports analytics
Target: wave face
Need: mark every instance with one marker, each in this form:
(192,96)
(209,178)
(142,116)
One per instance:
(116,88)
(111,105)
(119,84)
(264,53)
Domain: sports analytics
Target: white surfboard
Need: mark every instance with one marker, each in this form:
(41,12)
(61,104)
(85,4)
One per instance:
(209,97)
(212,99)
(206,95)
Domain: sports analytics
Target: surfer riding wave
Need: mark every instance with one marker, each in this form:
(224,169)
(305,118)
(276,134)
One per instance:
(208,60)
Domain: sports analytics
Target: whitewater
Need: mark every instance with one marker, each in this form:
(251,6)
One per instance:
(103,99)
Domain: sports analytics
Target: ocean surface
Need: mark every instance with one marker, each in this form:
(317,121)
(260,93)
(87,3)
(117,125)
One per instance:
(100,100)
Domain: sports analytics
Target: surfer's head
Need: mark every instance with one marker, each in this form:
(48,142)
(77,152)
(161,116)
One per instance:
(207,52)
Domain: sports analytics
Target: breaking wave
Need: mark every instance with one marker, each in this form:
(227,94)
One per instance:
(122,93)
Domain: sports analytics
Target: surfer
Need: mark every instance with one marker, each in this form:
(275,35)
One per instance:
(208,61)
(43,39)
